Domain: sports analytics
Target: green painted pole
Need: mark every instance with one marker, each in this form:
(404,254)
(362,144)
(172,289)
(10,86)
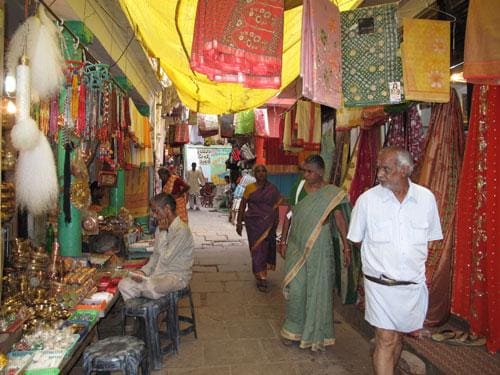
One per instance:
(117,194)
(69,235)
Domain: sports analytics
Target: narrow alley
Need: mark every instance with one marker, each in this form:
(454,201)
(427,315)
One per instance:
(238,326)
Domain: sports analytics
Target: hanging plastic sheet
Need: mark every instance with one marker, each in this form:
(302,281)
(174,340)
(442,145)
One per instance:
(167,32)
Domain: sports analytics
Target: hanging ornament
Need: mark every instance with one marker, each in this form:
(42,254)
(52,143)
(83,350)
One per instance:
(38,38)
(25,135)
(36,179)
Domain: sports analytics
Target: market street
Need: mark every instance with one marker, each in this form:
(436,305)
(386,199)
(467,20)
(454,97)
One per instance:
(238,326)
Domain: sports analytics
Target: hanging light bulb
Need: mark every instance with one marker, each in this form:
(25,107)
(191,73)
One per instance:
(11,107)
(10,84)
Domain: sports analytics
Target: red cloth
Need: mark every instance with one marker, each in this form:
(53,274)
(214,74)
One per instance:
(239,41)
(476,286)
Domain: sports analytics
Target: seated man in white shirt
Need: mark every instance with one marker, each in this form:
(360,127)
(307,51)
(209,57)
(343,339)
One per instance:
(170,266)
(395,222)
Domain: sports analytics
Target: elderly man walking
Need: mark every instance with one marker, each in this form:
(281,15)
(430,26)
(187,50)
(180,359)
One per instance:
(394,221)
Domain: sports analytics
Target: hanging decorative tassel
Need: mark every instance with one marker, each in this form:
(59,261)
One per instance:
(25,134)
(74,98)
(38,38)
(47,62)
(36,179)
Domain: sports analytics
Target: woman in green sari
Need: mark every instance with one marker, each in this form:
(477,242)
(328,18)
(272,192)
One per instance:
(308,249)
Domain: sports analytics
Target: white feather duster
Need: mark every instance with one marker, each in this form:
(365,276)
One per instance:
(23,40)
(36,179)
(46,59)
(38,38)
(25,135)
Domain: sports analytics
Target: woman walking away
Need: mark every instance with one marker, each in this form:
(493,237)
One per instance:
(309,260)
(262,199)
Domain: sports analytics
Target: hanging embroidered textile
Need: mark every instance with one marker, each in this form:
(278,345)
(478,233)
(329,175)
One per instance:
(181,133)
(370,65)
(321,53)
(476,283)
(274,114)
(227,125)
(439,171)
(239,41)
(244,122)
(261,122)
(208,125)
(426,75)
(482,43)
(406,131)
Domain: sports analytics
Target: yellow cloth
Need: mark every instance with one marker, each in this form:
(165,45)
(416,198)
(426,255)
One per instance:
(166,30)
(140,127)
(482,43)
(137,191)
(426,60)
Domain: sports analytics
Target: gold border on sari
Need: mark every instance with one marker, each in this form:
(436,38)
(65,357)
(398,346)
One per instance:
(311,240)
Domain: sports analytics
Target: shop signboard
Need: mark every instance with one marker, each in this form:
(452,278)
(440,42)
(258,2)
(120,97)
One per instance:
(211,160)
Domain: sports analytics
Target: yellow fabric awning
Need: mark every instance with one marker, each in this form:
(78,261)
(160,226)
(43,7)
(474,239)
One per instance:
(166,29)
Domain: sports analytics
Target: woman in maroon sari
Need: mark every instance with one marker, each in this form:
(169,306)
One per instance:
(262,199)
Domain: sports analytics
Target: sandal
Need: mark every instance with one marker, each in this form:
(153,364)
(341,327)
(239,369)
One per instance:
(262,285)
(445,335)
(467,339)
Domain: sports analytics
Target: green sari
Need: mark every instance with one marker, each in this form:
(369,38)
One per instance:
(309,266)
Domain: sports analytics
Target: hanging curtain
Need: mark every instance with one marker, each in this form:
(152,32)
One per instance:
(320,66)
(439,171)
(476,283)
(239,41)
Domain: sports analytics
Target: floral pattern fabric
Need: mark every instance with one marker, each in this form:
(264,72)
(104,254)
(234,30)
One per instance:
(426,75)
(370,63)
(239,41)
(321,51)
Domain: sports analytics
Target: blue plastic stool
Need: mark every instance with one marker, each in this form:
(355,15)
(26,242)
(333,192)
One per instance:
(125,353)
(148,310)
(173,319)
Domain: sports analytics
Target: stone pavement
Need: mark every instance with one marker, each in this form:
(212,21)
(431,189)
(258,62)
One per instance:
(238,326)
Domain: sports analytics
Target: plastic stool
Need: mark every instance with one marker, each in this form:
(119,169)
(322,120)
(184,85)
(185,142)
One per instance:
(125,353)
(148,310)
(173,319)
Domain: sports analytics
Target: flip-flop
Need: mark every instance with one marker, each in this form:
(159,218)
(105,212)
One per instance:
(445,335)
(467,339)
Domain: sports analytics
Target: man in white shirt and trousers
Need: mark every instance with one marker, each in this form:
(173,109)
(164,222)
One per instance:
(394,221)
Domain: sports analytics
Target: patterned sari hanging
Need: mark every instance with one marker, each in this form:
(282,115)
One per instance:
(439,171)
(476,284)
(406,130)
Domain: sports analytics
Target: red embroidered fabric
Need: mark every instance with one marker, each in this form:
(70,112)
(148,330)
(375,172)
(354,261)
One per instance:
(239,41)
(476,284)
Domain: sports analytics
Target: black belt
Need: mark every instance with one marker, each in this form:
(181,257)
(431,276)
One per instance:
(384,280)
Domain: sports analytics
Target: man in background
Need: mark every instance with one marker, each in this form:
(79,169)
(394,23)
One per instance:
(195,180)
